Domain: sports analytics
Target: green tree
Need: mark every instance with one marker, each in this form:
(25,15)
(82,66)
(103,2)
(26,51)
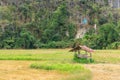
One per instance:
(58,24)
(107,35)
(27,39)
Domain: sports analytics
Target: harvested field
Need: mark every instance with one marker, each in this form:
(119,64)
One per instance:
(15,65)
(104,71)
(20,70)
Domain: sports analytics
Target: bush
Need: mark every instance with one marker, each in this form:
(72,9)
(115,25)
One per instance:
(82,60)
(106,35)
(114,45)
(59,44)
(55,44)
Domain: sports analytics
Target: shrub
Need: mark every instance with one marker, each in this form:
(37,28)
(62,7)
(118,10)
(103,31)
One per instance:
(82,60)
(106,35)
(55,44)
(114,45)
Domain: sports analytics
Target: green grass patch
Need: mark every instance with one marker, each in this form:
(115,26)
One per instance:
(59,55)
(44,55)
(72,71)
(106,56)
(58,66)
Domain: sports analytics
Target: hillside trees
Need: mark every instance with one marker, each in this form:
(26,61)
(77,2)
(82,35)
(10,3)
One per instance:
(58,27)
(105,37)
(54,23)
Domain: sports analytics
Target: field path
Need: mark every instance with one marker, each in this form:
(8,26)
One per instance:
(104,71)
(20,70)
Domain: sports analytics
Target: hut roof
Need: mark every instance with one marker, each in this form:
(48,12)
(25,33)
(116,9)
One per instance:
(85,48)
(80,47)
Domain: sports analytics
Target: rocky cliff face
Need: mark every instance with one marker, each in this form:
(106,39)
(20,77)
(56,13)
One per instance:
(81,32)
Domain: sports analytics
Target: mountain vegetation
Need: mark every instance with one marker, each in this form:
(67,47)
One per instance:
(29,24)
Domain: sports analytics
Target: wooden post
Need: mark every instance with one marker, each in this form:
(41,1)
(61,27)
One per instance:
(86,52)
(90,55)
(75,51)
(78,51)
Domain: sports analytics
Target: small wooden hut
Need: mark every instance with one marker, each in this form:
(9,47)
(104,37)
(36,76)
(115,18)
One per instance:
(78,48)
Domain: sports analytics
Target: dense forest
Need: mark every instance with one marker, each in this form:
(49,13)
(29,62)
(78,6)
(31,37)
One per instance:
(28,24)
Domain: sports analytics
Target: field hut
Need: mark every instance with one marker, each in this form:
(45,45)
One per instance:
(78,48)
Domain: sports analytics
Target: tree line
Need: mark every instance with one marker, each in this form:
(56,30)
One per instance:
(53,24)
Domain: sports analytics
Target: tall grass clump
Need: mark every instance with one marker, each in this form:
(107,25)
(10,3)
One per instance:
(58,66)
(72,71)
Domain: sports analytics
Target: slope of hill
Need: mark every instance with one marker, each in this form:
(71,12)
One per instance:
(29,23)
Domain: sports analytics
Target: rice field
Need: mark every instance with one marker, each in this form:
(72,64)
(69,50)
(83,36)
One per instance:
(56,62)
(60,55)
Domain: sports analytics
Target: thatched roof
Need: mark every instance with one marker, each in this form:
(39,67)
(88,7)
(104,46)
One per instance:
(85,48)
(80,47)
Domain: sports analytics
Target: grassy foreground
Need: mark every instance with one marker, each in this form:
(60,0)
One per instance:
(60,60)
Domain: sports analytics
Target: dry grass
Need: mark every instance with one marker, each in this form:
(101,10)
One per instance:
(20,70)
(104,71)
(13,69)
